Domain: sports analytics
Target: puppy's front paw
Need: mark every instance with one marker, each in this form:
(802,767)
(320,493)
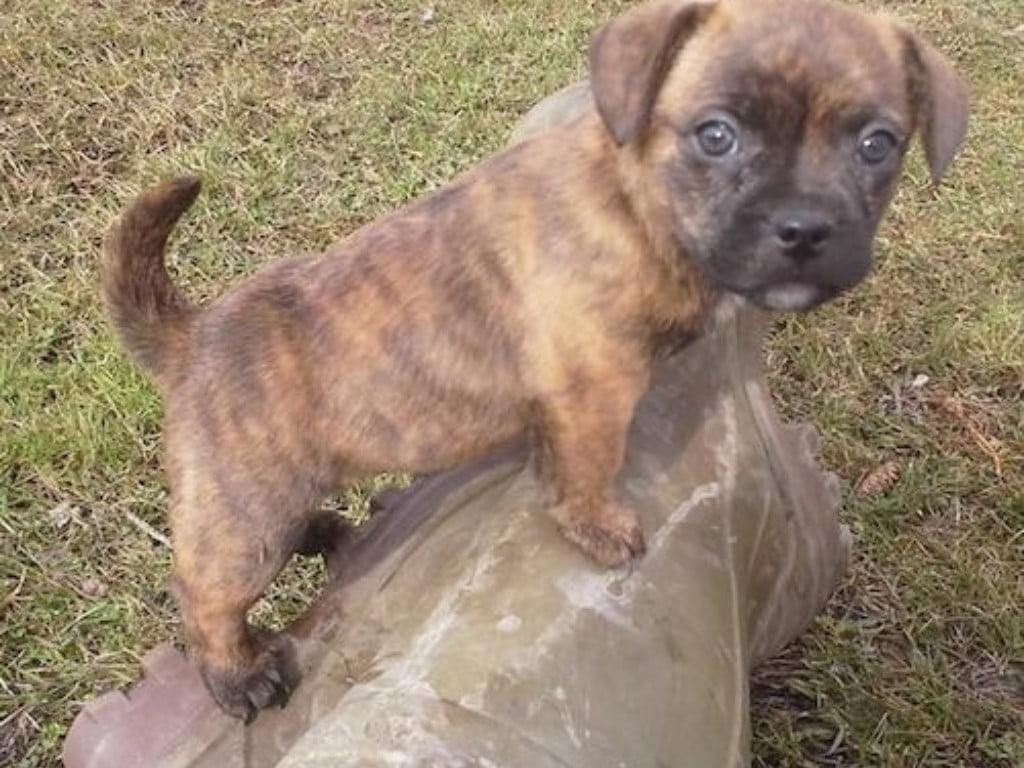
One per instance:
(268,681)
(612,535)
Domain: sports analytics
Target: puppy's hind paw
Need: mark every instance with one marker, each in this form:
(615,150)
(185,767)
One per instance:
(268,681)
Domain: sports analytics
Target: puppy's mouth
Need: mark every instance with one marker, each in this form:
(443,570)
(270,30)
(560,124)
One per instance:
(790,291)
(774,280)
(786,288)
(776,274)
(789,296)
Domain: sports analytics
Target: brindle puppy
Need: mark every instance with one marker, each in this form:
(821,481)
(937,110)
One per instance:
(737,146)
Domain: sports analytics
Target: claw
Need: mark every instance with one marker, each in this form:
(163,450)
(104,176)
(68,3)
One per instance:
(274,676)
(268,681)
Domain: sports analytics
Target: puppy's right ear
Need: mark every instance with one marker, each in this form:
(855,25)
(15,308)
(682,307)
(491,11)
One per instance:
(630,57)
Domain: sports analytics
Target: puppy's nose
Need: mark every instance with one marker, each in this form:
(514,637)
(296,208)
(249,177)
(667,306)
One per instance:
(802,234)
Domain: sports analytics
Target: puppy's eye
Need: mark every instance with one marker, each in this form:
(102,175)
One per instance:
(876,147)
(717,138)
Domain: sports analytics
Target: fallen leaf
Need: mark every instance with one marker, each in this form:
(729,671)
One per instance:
(878,480)
(62,514)
(93,587)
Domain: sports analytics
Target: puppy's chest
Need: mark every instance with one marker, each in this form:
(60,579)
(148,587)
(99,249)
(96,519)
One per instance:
(677,314)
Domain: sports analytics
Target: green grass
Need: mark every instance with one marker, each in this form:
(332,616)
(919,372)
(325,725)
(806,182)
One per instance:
(310,118)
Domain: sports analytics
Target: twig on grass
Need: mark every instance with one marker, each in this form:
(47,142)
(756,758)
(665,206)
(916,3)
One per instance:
(147,529)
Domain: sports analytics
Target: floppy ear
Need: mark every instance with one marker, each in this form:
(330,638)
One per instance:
(940,99)
(630,57)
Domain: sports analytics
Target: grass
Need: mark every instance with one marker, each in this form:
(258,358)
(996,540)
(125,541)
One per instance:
(310,118)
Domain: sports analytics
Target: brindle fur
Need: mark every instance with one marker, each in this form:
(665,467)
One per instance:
(529,295)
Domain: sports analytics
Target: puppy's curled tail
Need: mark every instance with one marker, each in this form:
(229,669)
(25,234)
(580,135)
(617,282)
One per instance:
(150,316)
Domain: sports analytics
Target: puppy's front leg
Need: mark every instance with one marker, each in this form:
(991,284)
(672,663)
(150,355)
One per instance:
(584,429)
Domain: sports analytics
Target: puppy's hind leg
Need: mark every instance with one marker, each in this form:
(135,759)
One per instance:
(324,535)
(224,561)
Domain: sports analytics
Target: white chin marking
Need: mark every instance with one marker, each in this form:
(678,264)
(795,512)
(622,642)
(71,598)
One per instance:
(791,296)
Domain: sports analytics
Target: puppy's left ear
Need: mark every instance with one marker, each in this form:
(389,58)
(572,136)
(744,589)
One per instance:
(940,99)
(630,57)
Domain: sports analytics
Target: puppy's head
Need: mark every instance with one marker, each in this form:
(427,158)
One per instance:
(766,136)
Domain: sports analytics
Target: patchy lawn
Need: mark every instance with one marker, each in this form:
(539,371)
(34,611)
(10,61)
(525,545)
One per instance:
(310,118)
